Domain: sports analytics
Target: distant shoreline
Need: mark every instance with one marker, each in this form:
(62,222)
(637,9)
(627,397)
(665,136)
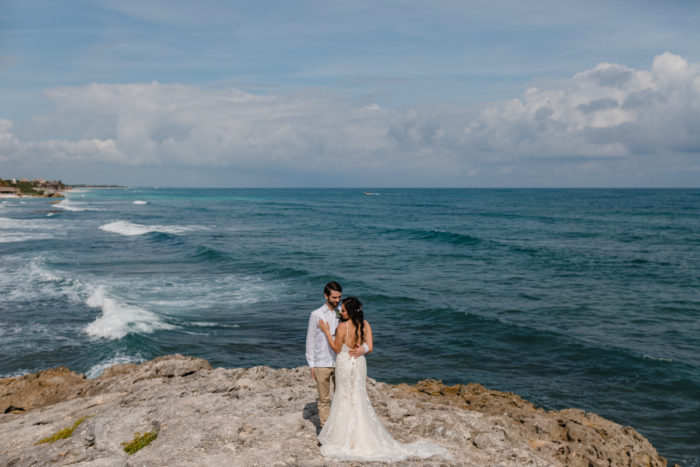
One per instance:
(101,186)
(37,188)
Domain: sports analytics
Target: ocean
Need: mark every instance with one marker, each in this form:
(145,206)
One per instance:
(568,297)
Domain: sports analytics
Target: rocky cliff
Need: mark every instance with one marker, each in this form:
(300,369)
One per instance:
(262,416)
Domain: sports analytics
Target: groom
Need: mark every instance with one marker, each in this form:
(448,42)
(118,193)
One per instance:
(319,355)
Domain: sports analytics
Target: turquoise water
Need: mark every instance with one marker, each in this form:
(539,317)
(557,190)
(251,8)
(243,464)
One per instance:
(570,298)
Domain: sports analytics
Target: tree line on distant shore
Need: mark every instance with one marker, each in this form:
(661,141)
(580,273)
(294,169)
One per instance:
(36,187)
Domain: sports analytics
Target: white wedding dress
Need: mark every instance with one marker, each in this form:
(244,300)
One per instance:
(353,432)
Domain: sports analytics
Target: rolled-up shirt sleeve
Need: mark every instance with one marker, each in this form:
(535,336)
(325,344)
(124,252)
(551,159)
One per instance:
(310,342)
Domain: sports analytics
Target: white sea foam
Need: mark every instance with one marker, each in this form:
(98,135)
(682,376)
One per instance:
(38,271)
(124,306)
(140,202)
(119,319)
(31,337)
(196,293)
(207,324)
(16,237)
(18,373)
(24,224)
(129,228)
(19,230)
(69,205)
(658,359)
(29,280)
(118,359)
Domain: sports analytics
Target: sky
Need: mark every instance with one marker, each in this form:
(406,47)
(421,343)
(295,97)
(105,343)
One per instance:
(351,93)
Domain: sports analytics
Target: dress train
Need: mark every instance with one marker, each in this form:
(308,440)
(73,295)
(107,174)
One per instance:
(353,431)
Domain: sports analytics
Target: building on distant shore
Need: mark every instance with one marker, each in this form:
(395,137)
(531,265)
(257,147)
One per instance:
(36,187)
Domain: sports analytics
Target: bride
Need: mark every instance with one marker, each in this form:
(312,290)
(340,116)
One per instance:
(353,432)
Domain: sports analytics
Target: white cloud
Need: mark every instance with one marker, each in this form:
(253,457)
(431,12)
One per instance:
(81,151)
(156,124)
(608,111)
(604,115)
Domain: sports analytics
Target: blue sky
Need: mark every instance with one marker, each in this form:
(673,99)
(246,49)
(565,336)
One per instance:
(352,93)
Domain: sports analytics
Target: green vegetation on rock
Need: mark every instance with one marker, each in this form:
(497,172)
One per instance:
(140,441)
(64,433)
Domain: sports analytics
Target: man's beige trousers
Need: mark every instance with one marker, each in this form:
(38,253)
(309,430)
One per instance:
(324,375)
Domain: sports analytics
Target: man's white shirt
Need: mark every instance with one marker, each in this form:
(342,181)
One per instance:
(318,351)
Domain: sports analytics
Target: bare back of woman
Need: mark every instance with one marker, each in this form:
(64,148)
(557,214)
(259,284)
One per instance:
(352,337)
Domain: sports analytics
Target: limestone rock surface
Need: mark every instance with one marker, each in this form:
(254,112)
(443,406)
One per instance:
(39,389)
(264,416)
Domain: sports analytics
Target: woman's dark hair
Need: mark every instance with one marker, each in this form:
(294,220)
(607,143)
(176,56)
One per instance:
(354,308)
(331,286)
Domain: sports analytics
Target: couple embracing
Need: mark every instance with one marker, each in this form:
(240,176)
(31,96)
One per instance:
(338,337)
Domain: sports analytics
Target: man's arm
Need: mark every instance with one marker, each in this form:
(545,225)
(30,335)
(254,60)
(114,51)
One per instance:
(369,339)
(310,333)
(359,351)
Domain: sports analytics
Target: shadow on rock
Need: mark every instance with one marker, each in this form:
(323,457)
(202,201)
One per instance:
(310,413)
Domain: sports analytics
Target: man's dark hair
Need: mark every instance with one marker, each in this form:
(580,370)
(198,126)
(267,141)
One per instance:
(332,286)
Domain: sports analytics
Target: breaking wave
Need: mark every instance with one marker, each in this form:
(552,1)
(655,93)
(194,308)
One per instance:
(68,205)
(130,229)
(119,319)
(120,358)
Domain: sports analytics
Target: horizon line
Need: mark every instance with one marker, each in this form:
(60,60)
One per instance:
(365,188)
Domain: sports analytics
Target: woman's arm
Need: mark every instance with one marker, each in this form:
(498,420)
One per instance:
(339,335)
